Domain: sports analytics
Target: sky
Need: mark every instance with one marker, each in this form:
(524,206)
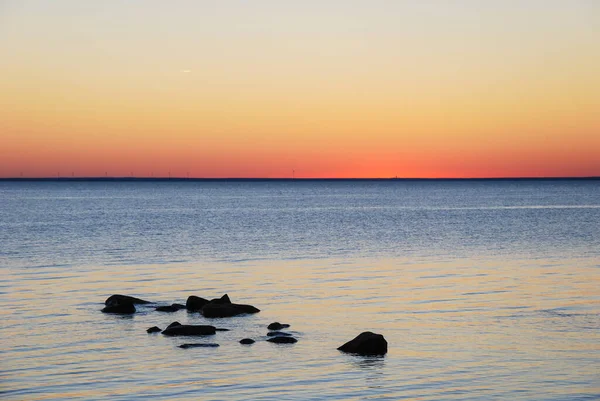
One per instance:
(273,88)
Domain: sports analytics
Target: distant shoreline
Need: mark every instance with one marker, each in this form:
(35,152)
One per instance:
(183,179)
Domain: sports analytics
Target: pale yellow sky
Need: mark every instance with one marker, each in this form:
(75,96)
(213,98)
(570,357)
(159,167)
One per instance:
(329,88)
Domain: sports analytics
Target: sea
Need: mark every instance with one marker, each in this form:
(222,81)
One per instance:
(483,289)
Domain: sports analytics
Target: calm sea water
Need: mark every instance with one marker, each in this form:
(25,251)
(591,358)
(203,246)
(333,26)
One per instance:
(483,289)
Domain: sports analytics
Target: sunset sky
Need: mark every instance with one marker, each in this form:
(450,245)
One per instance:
(326,88)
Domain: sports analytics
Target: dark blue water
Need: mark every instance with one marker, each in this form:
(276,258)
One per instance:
(484,289)
(127,223)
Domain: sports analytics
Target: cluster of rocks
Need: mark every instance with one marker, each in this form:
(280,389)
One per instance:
(218,307)
(275,335)
(366,343)
(280,337)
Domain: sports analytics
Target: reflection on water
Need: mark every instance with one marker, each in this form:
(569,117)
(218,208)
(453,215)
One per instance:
(484,327)
(474,303)
(369,362)
(373,366)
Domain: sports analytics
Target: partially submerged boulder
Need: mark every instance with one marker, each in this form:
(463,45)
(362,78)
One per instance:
(122,309)
(175,323)
(227,310)
(278,333)
(282,340)
(189,330)
(153,329)
(277,326)
(218,307)
(195,303)
(366,343)
(170,308)
(200,345)
(118,299)
(247,341)
(223,300)
(166,308)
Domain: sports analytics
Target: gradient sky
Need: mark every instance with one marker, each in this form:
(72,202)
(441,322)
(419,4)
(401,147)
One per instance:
(326,88)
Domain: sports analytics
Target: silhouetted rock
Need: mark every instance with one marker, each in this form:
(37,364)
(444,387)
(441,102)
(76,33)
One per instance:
(221,329)
(124,309)
(201,345)
(366,343)
(247,308)
(223,300)
(278,333)
(189,330)
(153,329)
(174,324)
(247,341)
(227,310)
(282,340)
(277,326)
(124,299)
(166,308)
(170,308)
(195,303)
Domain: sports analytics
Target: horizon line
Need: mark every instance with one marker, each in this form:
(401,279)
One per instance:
(200,179)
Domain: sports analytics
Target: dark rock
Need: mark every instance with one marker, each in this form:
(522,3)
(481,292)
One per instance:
(189,330)
(282,340)
(124,309)
(279,333)
(223,300)
(220,310)
(220,329)
(247,341)
(201,345)
(167,308)
(366,343)
(247,308)
(277,326)
(174,324)
(153,329)
(227,310)
(195,303)
(178,306)
(124,299)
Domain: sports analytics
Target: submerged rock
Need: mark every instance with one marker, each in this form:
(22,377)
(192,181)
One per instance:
(170,308)
(279,333)
(175,323)
(166,308)
(118,299)
(366,343)
(123,309)
(153,329)
(201,345)
(195,303)
(247,341)
(227,310)
(189,330)
(277,326)
(282,340)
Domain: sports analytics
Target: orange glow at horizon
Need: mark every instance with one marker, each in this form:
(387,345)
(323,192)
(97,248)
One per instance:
(378,90)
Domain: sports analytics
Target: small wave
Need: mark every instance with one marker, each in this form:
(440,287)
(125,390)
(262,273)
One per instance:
(484,292)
